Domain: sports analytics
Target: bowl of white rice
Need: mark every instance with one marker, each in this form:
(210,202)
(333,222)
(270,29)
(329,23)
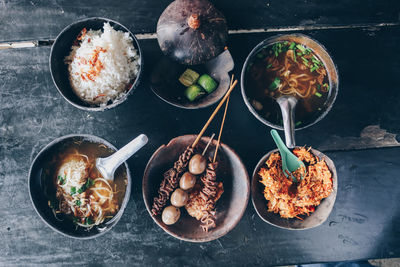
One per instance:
(96,63)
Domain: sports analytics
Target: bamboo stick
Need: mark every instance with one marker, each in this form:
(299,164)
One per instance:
(222,127)
(214,113)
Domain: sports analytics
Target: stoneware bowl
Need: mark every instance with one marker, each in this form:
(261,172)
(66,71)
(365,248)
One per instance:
(318,49)
(164,80)
(62,47)
(39,187)
(314,219)
(230,207)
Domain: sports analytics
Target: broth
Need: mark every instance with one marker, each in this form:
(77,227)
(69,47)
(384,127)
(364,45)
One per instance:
(75,188)
(287,68)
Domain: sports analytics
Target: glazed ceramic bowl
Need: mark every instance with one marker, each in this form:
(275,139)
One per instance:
(62,48)
(230,207)
(40,182)
(313,220)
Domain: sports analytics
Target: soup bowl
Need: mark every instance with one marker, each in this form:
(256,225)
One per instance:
(315,219)
(62,48)
(41,187)
(229,208)
(319,50)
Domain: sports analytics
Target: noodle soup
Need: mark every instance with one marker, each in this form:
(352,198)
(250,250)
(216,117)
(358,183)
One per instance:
(77,191)
(287,68)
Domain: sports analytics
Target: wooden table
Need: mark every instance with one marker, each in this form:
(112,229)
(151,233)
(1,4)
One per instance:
(361,135)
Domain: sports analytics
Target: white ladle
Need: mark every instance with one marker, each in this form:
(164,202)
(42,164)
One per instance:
(107,166)
(288,105)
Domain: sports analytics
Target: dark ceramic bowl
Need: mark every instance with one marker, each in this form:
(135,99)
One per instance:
(39,183)
(230,207)
(313,220)
(62,47)
(318,49)
(164,81)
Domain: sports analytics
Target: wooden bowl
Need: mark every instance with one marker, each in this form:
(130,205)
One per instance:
(313,220)
(319,50)
(62,48)
(38,182)
(165,84)
(230,207)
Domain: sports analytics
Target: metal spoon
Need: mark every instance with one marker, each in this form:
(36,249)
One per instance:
(290,162)
(287,105)
(107,166)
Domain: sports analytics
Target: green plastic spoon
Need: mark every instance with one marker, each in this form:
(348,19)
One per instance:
(290,162)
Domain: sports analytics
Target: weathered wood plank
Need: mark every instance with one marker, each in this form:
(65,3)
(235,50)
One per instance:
(365,221)
(25,19)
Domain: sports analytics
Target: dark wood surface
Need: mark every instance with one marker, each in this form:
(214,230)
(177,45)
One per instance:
(361,134)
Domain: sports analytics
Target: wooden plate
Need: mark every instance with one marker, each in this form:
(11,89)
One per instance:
(230,207)
(165,84)
(315,219)
(38,182)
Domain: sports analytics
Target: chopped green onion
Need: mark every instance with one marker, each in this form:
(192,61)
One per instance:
(318,94)
(73,190)
(298,123)
(275,84)
(313,68)
(319,109)
(301,48)
(294,56)
(276,53)
(318,86)
(88,221)
(326,85)
(89,183)
(78,203)
(75,220)
(292,46)
(299,53)
(61,179)
(305,61)
(269,66)
(308,51)
(316,61)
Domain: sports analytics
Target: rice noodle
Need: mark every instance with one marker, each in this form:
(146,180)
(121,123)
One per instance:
(294,73)
(88,201)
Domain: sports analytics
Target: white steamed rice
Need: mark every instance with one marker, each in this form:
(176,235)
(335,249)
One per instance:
(102,65)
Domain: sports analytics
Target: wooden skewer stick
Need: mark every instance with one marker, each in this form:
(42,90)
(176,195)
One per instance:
(213,114)
(222,127)
(208,144)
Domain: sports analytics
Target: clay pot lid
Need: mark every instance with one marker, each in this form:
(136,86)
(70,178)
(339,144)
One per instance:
(192,32)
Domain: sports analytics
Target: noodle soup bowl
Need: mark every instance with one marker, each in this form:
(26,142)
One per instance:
(59,70)
(41,187)
(229,208)
(318,217)
(319,50)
